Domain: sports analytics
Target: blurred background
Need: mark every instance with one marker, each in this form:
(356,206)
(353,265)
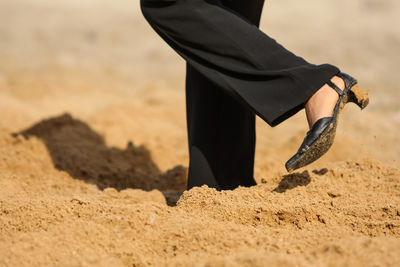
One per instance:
(100,61)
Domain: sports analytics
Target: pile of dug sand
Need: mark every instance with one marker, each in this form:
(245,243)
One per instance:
(53,210)
(93,150)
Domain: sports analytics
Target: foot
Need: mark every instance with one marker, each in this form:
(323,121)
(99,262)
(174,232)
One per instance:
(323,102)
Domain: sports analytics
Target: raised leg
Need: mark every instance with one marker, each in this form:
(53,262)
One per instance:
(231,51)
(231,62)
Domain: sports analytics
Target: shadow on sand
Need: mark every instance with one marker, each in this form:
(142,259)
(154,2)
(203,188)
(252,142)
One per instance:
(81,152)
(293,180)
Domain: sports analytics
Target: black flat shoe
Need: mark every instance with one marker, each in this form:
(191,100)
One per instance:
(321,135)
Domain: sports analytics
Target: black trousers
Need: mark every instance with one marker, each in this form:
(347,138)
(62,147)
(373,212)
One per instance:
(234,72)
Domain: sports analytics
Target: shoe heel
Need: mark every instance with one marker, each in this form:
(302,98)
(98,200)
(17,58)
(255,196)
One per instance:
(358,96)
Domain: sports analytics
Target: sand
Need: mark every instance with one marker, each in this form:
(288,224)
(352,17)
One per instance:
(93,150)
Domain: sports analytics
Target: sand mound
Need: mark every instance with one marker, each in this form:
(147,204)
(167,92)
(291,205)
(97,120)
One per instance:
(52,212)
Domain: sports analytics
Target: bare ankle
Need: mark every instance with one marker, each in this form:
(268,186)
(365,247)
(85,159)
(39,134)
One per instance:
(338,81)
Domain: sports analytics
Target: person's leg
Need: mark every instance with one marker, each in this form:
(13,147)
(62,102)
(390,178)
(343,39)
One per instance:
(221,131)
(221,135)
(232,52)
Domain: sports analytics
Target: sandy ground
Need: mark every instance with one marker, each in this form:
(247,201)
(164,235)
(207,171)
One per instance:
(93,150)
